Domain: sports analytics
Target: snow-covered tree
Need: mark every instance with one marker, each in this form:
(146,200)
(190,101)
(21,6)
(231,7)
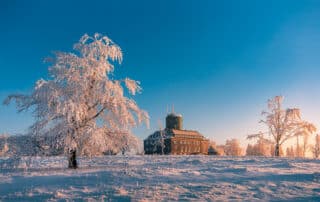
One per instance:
(257,149)
(299,149)
(162,143)
(220,150)
(305,145)
(4,147)
(316,148)
(215,149)
(157,142)
(283,124)
(232,148)
(290,152)
(82,106)
(273,149)
(250,150)
(262,146)
(163,135)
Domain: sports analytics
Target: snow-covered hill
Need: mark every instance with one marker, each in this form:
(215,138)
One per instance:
(138,178)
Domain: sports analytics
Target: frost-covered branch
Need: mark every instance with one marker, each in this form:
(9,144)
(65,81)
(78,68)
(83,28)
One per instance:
(81,104)
(283,124)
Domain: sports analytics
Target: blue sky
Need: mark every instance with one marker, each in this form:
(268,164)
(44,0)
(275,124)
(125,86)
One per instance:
(217,62)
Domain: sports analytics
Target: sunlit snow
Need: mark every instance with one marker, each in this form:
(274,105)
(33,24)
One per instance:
(139,178)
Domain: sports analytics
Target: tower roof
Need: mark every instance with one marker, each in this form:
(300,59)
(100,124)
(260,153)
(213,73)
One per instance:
(174,114)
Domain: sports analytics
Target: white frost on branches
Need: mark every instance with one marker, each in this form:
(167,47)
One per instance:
(232,148)
(133,86)
(81,105)
(5,147)
(283,124)
(316,148)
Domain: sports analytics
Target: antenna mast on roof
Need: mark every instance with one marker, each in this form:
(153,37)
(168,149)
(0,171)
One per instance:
(172,108)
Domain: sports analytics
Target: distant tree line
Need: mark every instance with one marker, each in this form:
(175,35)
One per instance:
(282,125)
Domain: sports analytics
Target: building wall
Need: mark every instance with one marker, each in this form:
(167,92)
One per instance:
(187,146)
(178,144)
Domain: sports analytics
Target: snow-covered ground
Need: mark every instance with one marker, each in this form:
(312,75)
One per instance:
(153,178)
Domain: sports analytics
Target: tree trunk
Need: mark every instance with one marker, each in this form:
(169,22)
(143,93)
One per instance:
(72,159)
(277,150)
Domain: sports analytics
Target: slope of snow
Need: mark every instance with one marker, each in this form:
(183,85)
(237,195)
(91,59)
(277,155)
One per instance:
(144,178)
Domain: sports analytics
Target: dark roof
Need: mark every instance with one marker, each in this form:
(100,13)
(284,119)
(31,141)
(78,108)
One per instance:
(168,133)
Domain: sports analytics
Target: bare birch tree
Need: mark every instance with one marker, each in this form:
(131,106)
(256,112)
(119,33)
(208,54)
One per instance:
(283,124)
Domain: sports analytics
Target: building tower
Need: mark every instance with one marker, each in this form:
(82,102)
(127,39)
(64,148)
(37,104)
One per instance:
(174,121)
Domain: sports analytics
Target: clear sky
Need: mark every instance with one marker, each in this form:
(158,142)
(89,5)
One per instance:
(216,61)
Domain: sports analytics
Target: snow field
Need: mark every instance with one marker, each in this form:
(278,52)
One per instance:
(156,178)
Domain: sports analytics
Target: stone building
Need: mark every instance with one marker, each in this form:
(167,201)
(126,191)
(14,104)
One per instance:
(174,140)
